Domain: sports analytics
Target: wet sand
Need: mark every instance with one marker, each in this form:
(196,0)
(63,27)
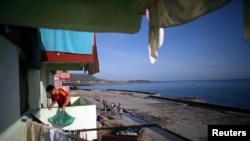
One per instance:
(181,119)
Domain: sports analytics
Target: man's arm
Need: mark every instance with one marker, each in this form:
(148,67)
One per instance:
(51,105)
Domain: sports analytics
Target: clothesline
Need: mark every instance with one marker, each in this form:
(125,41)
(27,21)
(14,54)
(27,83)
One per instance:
(119,127)
(34,118)
(103,128)
(41,125)
(79,134)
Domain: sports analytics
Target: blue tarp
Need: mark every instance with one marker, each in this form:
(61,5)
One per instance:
(66,41)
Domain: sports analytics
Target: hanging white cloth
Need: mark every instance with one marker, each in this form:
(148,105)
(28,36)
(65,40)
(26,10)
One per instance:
(39,132)
(58,135)
(33,131)
(165,13)
(156,39)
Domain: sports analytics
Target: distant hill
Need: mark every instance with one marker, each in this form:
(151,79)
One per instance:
(83,78)
(138,81)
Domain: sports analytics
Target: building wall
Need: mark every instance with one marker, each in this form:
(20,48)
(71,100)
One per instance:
(9,84)
(46,78)
(59,77)
(34,88)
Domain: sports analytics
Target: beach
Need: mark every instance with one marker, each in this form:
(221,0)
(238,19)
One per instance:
(183,120)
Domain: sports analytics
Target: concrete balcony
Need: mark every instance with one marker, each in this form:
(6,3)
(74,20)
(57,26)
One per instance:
(85,118)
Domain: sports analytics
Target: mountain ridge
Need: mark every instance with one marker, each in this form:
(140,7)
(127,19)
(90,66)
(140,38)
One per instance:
(85,79)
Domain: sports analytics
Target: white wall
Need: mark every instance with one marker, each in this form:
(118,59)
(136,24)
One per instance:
(9,84)
(85,118)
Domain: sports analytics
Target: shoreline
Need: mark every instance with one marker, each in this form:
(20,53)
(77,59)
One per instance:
(192,101)
(231,93)
(204,105)
(180,118)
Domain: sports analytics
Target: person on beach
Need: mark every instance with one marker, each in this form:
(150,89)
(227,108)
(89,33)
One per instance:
(120,110)
(113,108)
(104,105)
(58,95)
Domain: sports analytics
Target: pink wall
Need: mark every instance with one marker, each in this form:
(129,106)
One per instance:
(59,77)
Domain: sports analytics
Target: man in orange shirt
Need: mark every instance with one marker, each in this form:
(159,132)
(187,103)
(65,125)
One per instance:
(58,95)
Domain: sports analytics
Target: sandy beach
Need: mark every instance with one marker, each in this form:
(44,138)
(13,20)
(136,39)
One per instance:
(186,121)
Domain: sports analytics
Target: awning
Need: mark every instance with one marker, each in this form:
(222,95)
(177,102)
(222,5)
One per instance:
(246,19)
(93,67)
(62,57)
(57,60)
(82,15)
(57,40)
(122,16)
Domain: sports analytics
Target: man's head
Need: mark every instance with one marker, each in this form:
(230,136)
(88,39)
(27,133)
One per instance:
(50,89)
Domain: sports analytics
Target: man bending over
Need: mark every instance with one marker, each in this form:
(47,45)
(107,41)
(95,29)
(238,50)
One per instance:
(58,95)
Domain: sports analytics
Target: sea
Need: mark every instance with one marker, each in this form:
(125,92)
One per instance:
(233,93)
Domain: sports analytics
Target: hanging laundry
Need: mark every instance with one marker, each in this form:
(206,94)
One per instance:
(38,132)
(156,39)
(165,13)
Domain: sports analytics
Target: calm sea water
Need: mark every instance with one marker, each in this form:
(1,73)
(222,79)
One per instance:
(235,93)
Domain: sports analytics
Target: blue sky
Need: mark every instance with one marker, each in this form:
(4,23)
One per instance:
(210,47)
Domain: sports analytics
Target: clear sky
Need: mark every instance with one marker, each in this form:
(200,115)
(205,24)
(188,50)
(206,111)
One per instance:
(210,47)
